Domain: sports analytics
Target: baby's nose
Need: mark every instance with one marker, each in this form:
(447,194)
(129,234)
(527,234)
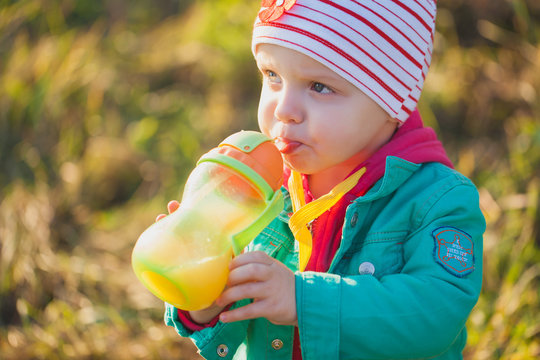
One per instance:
(289,109)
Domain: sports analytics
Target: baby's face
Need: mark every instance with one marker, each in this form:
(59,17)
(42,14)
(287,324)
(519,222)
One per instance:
(320,121)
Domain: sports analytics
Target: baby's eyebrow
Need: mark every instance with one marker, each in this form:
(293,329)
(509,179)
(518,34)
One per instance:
(321,78)
(264,61)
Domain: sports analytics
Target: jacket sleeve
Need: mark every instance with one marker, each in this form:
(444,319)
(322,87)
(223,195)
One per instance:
(418,312)
(221,339)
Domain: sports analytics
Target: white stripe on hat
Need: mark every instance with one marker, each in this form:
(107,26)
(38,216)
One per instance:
(383,47)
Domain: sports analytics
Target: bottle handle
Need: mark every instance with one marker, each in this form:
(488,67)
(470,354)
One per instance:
(241,239)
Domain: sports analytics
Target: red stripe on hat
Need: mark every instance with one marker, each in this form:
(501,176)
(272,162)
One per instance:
(377,30)
(359,48)
(363,36)
(413,13)
(320,56)
(351,59)
(392,25)
(406,22)
(407,110)
(426,10)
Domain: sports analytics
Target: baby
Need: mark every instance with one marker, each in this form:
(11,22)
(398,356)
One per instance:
(377,253)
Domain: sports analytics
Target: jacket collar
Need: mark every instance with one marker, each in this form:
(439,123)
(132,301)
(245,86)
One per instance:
(397,171)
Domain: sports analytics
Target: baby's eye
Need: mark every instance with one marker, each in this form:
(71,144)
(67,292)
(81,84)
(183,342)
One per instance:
(272,76)
(320,88)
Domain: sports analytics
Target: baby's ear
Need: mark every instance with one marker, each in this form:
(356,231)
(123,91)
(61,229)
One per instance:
(394,121)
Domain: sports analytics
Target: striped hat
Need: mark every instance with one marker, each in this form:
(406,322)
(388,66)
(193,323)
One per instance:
(383,47)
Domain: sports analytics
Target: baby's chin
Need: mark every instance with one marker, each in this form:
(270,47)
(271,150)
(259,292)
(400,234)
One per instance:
(292,165)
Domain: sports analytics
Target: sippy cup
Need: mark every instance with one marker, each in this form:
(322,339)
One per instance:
(229,198)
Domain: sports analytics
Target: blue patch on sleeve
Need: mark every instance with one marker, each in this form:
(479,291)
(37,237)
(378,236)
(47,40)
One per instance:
(454,250)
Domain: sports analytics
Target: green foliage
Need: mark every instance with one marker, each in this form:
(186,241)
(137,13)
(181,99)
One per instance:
(106,105)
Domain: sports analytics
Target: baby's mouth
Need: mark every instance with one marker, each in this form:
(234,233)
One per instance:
(286,146)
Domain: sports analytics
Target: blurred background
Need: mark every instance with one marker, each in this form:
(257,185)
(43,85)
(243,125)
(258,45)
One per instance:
(106,105)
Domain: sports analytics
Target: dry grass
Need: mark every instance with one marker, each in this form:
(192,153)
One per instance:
(102,117)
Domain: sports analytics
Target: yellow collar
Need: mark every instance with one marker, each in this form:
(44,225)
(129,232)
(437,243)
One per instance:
(304,213)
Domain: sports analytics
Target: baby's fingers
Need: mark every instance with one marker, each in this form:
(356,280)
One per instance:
(249,273)
(244,291)
(251,257)
(250,311)
(172,206)
(160,216)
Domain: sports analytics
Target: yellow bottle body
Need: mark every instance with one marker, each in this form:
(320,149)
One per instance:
(184,258)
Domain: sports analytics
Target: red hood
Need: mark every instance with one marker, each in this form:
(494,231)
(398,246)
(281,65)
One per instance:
(412,142)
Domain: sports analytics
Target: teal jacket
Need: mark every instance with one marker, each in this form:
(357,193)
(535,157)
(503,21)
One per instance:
(401,286)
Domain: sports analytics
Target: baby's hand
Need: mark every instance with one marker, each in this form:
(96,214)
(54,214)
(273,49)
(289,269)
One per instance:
(172,206)
(268,282)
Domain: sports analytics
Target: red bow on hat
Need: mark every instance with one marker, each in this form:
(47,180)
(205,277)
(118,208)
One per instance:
(274,9)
